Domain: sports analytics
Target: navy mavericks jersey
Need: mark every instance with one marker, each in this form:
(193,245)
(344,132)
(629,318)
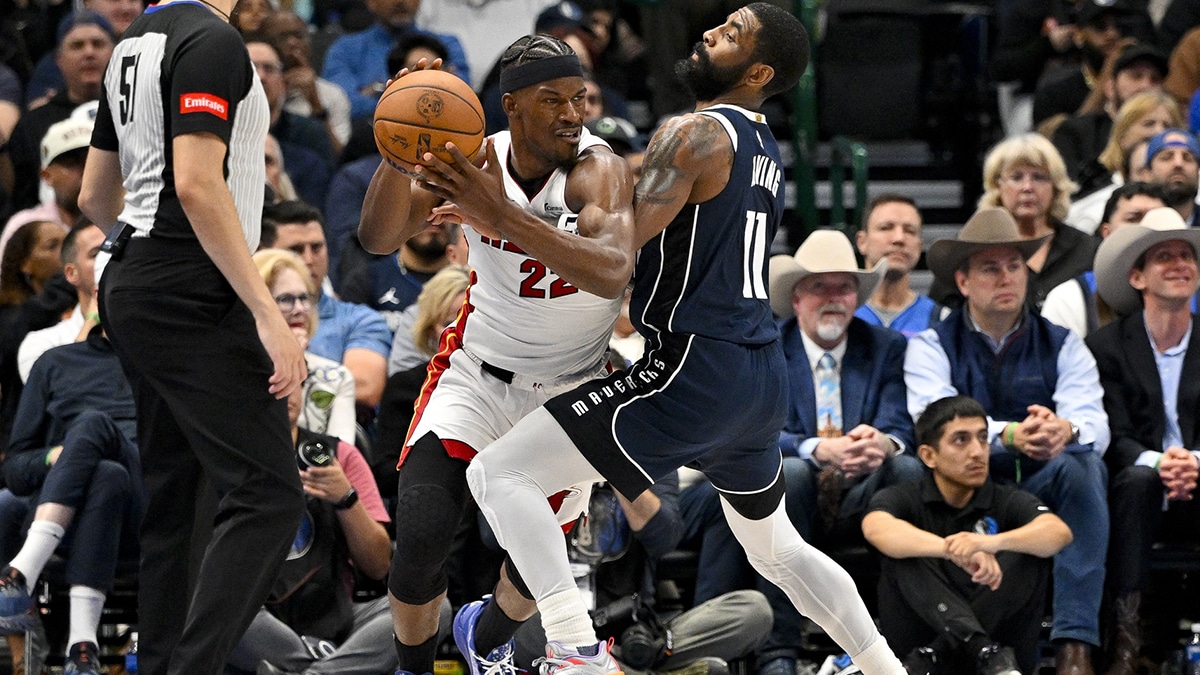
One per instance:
(706,273)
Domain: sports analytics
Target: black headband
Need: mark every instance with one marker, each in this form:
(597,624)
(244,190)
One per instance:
(526,74)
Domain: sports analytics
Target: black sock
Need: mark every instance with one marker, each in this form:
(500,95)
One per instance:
(494,628)
(416,659)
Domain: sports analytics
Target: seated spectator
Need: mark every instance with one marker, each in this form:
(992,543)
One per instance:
(951,542)
(31,298)
(277,176)
(10,112)
(892,230)
(1171,158)
(327,394)
(356,62)
(1074,304)
(1025,176)
(305,143)
(1148,363)
(1184,77)
(47,79)
(249,17)
(79,250)
(1081,138)
(352,335)
(1102,29)
(847,433)
(702,640)
(85,44)
(74,454)
(416,343)
(308,95)
(311,603)
(390,284)
(1038,383)
(1141,118)
(64,155)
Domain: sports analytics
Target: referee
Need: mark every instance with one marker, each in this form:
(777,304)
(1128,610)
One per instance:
(181,127)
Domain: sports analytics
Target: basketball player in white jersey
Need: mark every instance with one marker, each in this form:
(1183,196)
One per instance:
(531,327)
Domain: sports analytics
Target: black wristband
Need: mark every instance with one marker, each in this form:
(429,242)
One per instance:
(346,502)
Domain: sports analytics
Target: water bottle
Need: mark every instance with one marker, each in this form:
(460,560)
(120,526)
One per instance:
(131,665)
(1192,652)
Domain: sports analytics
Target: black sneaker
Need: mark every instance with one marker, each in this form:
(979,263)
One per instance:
(921,661)
(83,659)
(997,660)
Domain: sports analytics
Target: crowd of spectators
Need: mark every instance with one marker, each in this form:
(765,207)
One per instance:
(1062,308)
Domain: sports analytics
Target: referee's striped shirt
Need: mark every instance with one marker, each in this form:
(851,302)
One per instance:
(180,69)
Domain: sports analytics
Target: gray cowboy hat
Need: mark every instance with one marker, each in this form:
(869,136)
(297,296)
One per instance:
(1120,252)
(990,226)
(822,252)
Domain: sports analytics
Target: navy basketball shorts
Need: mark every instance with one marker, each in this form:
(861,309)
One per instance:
(712,405)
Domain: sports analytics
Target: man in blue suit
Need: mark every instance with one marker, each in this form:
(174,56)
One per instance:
(848,433)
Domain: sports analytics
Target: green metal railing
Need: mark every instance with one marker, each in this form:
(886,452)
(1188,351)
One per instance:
(852,153)
(845,152)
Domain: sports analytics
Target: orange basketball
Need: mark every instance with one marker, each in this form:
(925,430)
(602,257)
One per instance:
(423,111)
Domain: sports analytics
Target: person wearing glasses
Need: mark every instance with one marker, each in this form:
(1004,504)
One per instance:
(1026,176)
(328,392)
(353,335)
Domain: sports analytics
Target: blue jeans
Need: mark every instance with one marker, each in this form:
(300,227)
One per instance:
(1075,486)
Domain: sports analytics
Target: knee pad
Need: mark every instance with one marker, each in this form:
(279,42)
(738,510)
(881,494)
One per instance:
(758,505)
(430,500)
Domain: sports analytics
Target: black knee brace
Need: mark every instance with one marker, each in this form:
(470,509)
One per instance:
(758,505)
(514,576)
(431,496)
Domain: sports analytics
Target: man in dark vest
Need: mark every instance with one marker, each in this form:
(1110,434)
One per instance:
(1046,422)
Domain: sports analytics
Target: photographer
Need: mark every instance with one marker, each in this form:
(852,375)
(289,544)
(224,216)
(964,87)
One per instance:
(310,623)
(709,635)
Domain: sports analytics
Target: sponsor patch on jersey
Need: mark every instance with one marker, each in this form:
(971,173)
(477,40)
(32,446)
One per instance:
(206,103)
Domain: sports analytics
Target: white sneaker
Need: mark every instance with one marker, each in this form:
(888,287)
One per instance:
(562,660)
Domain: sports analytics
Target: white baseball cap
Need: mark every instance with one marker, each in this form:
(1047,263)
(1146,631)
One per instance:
(70,134)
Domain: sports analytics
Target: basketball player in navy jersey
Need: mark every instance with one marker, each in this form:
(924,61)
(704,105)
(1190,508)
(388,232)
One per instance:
(710,391)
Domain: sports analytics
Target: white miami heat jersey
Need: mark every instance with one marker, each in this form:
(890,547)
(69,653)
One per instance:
(522,316)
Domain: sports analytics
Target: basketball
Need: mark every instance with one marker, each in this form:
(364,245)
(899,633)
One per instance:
(421,112)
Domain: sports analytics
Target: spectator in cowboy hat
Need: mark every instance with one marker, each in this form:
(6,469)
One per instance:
(1039,385)
(1149,364)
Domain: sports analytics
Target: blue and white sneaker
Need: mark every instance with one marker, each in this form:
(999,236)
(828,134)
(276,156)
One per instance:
(16,606)
(499,661)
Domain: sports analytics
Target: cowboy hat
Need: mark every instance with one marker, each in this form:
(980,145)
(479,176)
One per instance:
(990,226)
(1120,252)
(823,251)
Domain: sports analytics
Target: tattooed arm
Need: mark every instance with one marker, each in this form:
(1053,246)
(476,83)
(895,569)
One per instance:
(688,162)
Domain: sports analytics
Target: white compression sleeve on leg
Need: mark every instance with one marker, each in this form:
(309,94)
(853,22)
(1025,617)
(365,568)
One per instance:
(818,587)
(510,480)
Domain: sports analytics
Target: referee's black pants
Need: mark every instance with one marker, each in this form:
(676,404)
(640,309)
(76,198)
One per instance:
(931,602)
(206,425)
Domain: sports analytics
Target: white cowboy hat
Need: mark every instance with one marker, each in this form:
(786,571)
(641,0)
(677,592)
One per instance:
(1120,252)
(990,226)
(822,252)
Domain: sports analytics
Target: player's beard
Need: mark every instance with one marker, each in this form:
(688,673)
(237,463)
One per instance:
(705,80)
(431,248)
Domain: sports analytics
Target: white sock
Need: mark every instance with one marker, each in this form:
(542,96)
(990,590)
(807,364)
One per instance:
(39,546)
(86,605)
(878,658)
(566,620)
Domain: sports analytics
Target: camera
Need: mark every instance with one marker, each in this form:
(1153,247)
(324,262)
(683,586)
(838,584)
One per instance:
(313,452)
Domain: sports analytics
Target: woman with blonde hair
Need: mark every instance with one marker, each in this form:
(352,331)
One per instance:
(1141,118)
(328,406)
(1026,176)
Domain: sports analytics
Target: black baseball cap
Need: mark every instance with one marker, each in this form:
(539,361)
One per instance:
(1141,52)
